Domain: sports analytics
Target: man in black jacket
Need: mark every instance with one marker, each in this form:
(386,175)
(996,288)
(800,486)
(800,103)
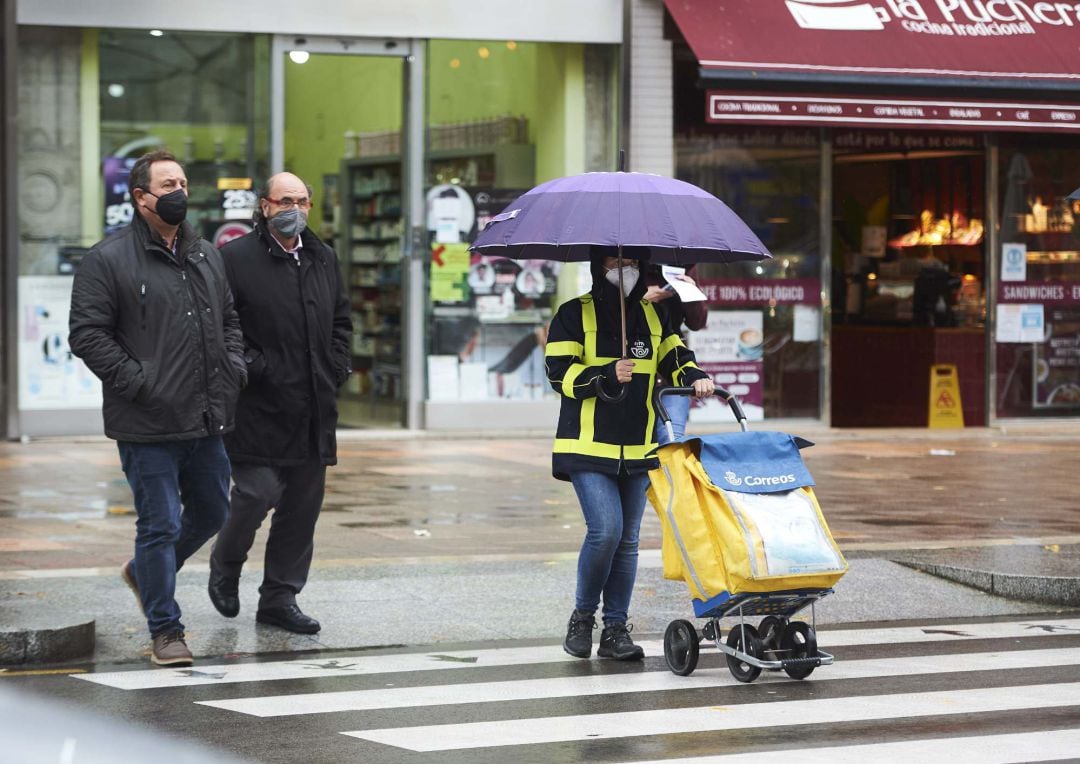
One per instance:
(153,317)
(297,328)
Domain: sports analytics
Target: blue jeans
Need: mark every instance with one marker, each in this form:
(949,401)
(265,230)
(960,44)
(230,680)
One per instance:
(607,564)
(678,408)
(181,493)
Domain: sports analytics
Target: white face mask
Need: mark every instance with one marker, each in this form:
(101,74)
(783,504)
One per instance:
(629,276)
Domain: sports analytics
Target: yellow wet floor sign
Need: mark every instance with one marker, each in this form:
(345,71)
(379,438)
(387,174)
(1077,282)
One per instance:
(945,409)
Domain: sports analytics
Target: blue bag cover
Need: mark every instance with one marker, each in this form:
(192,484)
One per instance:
(753,462)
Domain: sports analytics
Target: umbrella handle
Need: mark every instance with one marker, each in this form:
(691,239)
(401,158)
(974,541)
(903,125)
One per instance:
(602,394)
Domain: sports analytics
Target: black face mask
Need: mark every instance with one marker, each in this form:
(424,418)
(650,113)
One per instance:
(172,207)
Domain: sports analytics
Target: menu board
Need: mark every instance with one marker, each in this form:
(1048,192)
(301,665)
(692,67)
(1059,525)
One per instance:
(730,350)
(1056,370)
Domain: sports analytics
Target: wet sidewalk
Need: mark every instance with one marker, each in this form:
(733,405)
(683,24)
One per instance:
(429,539)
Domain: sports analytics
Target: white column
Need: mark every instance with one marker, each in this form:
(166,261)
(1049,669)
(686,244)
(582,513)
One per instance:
(652,147)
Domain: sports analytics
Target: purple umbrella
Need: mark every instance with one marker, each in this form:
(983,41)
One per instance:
(671,221)
(620,213)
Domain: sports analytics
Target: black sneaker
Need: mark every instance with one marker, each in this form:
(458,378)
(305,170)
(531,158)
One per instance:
(615,643)
(579,634)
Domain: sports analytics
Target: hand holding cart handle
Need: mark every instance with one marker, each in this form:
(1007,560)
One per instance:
(720,392)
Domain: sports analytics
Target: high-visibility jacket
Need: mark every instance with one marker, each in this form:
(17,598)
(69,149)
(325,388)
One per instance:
(583,345)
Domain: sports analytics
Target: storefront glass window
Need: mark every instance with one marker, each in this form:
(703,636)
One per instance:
(763,337)
(1037,333)
(90,102)
(909,277)
(503,116)
(204,97)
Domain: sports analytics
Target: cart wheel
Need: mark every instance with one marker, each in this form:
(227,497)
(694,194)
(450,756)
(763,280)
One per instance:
(769,630)
(681,647)
(742,671)
(799,641)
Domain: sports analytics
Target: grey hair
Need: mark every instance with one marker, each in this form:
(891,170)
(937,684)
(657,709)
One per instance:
(262,191)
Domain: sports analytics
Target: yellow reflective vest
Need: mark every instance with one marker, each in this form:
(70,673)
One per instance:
(583,345)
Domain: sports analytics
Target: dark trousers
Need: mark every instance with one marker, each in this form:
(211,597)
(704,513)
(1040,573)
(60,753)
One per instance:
(181,493)
(295,494)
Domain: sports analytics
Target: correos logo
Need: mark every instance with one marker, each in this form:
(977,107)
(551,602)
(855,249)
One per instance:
(835,14)
(758,480)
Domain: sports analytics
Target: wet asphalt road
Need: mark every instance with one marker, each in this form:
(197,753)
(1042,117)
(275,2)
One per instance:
(467,545)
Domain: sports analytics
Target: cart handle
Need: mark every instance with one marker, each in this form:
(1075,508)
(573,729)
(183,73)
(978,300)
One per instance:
(719,392)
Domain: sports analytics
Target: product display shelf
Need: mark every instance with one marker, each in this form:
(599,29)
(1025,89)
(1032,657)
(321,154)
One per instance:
(372,233)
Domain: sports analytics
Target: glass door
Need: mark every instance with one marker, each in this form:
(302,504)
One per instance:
(339,125)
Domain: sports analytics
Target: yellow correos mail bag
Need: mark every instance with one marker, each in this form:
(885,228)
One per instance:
(739,515)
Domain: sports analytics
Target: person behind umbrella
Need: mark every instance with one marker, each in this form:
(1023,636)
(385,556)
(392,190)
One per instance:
(676,312)
(603,447)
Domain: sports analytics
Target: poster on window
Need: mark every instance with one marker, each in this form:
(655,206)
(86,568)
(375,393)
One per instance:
(729,348)
(1057,362)
(118,207)
(50,377)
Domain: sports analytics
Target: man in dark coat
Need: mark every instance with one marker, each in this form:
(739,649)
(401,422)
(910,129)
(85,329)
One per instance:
(297,326)
(152,316)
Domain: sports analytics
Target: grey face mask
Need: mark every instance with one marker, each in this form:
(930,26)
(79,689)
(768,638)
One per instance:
(289,223)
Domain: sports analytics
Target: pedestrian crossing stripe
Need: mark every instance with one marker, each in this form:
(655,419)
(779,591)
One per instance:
(610,684)
(1051,745)
(592,727)
(367,664)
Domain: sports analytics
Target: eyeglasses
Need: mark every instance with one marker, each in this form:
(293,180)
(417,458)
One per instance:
(288,201)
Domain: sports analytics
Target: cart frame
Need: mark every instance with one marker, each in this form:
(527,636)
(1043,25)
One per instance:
(779,606)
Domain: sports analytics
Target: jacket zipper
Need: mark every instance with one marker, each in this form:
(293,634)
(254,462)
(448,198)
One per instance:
(202,337)
(314,429)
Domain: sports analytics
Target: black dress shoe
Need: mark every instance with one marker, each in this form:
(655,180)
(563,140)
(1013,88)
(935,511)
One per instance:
(288,617)
(224,593)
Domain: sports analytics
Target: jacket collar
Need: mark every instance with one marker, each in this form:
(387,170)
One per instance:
(186,238)
(313,245)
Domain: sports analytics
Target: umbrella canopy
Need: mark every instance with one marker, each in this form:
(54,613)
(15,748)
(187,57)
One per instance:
(668,220)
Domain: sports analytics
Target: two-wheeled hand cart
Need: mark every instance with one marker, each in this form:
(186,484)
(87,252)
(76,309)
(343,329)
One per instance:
(743,529)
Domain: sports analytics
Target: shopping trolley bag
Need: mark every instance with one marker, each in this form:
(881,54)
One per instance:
(739,515)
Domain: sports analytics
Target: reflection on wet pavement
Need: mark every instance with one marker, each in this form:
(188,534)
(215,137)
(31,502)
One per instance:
(69,507)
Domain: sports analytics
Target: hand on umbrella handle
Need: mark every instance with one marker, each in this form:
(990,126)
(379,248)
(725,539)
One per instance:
(623,376)
(602,394)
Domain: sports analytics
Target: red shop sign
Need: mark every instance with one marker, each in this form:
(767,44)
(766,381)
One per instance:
(885,111)
(1012,41)
(726,292)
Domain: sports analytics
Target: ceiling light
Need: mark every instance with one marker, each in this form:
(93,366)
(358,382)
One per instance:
(156,33)
(116,90)
(299,56)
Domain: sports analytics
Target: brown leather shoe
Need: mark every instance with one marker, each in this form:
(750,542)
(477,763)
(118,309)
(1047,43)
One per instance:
(170,649)
(129,579)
